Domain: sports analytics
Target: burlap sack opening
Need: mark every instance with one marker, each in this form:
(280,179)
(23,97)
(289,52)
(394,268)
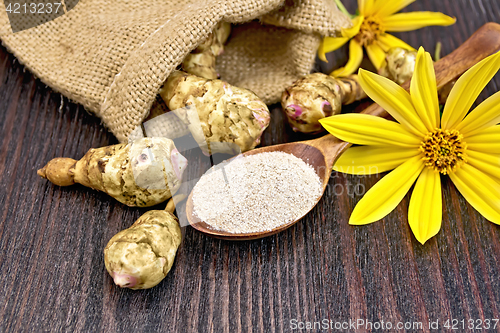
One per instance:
(113,56)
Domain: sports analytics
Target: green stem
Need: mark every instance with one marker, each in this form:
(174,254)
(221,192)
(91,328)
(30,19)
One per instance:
(343,9)
(437,52)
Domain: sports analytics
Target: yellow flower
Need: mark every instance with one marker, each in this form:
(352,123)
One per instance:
(369,30)
(423,145)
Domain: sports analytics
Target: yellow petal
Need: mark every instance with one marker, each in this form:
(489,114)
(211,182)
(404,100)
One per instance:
(368,160)
(487,163)
(376,55)
(487,114)
(384,196)
(466,89)
(365,7)
(356,25)
(387,8)
(388,41)
(423,90)
(480,190)
(329,44)
(415,20)
(488,141)
(392,98)
(355,58)
(426,207)
(363,129)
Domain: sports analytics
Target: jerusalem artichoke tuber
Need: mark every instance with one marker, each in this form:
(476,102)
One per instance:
(143,173)
(400,65)
(201,61)
(141,256)
(317,96)
(227,114)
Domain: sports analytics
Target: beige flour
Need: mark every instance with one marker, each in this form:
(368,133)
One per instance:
(256,193)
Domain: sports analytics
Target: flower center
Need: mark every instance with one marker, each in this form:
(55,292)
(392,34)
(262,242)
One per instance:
(370,29)
(444,150)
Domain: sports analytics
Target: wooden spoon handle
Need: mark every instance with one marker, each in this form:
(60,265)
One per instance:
(483,43)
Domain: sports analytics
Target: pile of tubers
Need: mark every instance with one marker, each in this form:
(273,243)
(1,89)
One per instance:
(148,171)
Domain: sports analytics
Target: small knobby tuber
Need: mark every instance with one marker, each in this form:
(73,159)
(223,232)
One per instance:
(142,173)
(226,114)
(201,61)
(400,65)
(317,96)
(141,256)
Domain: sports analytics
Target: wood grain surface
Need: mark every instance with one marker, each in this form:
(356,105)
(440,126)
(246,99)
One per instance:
(51,238)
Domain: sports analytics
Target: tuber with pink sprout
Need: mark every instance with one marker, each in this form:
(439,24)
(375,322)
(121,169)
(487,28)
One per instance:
(317,96)
(141,256)
(142,173)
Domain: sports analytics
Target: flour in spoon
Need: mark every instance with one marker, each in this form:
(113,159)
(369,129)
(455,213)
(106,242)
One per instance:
(256,193)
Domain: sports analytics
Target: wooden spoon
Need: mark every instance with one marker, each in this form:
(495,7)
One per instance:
(321,153)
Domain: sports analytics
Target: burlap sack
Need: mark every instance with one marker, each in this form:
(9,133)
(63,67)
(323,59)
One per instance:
(112,56)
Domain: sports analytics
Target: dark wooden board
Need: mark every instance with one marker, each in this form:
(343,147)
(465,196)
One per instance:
(51,238)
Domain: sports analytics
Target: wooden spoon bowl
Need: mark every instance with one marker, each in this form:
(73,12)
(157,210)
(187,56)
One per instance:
(303,150)
(321,153)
